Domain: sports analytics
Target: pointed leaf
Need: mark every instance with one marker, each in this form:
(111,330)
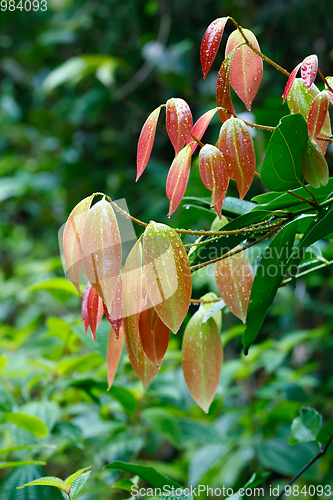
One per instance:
(246,66)
(146,141)
(290,82)
(167,274)
(234,279)
(92,310)
(115,317)
(101,246)
(178,122)
(223,96)
(200,127)
(211,42)
(46,481)
(148,474)
(314,165)
(236,144)
(78,484)
(113,353)
(70,479)
(317,114)
(132,297)
(178,178)
(143,367)
(309,70)
(72,240)
(214,173)
(202,358)
(154,335)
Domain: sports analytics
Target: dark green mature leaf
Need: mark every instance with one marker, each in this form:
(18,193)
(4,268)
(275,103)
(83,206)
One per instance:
(267,280)
(149,474)
(282,168)
(319,229)
(306,427)
(230,204)
(326,433)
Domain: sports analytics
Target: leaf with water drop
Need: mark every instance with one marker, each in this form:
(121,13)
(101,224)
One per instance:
(317,114)
(92,310)
(202,358)
(101,247)
(314,165)
(309,70)
(234,279)
(132,297)
(146,141)
(178,178)
(167,274)
(154,335)
(214,173)
(200,127)
(211,42)
(223,96)
(178,122)
(113,353)
(290,82)
(115,317)
(143,367)
(236,144)
(72,240)
(246,67)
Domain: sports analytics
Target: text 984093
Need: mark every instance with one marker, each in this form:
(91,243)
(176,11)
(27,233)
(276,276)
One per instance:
(23,5)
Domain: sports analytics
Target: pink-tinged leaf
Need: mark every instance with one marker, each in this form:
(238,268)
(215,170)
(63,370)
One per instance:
(314,165)
(92,310)
(317,114)
(223,96)
(179,122)
(200,127)
(202,358)
(72,240)
(234,279)
(178,178)
(84,308)
(101,247)
(211,42)
(330,95)
(167,274)
(246,66)
(218,208)
(309,70)
(329,80)
(143,367)
(113,353)
(115,317)
(290,82)
(132,297)
(146,141)
(214,172)
(236,145)
(154,335)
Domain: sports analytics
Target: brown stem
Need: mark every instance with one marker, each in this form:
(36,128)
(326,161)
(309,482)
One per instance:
(312,203)
(200,301)
(197,140)
(253,125)
(325,81)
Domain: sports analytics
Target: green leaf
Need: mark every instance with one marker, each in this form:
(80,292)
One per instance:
(319,229)
(326,433)
(19,463)
(255,480)
(148,474)
(23,475)
(165,424)
(70,479)
(267,280)
(123,484)
(55,284)
(282,168)
(78,484)
(46,481)
(31,424)
(306,427)
(125,398)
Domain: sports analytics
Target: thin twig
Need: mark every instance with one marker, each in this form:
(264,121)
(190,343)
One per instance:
(200,301)
(324,79)
(312,203)
(197,140)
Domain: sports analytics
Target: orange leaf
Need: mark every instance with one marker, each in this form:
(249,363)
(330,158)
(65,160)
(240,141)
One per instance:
(236,144)
(234,279)
(246,66)
(290,82)
(317,114)
(113,353)
(202,358)
(92,309)
(167,274)
(178,122)
(146,141)
(101,247)
(214,172)
(143,367)
(154,336)
(72,240)
(200,127)
(314,165)
(178,178)
(223,97)
(309,70)
(211,42)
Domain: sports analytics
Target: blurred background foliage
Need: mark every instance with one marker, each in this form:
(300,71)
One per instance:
(77,83)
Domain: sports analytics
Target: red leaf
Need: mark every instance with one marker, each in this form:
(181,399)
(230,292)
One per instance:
(214,172)
(101,246)
(154,335)
(72,240)
(211,42)
(115,317)
(200,127)
(234,279)
(202,358)
(92,310)
(317,114)
(309,70)
(236,144)
(314,165)
(223,96)
(178,122)
(146,141)
(143,367)
(178,178)
(290,82)
(113,354)
(246,66)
